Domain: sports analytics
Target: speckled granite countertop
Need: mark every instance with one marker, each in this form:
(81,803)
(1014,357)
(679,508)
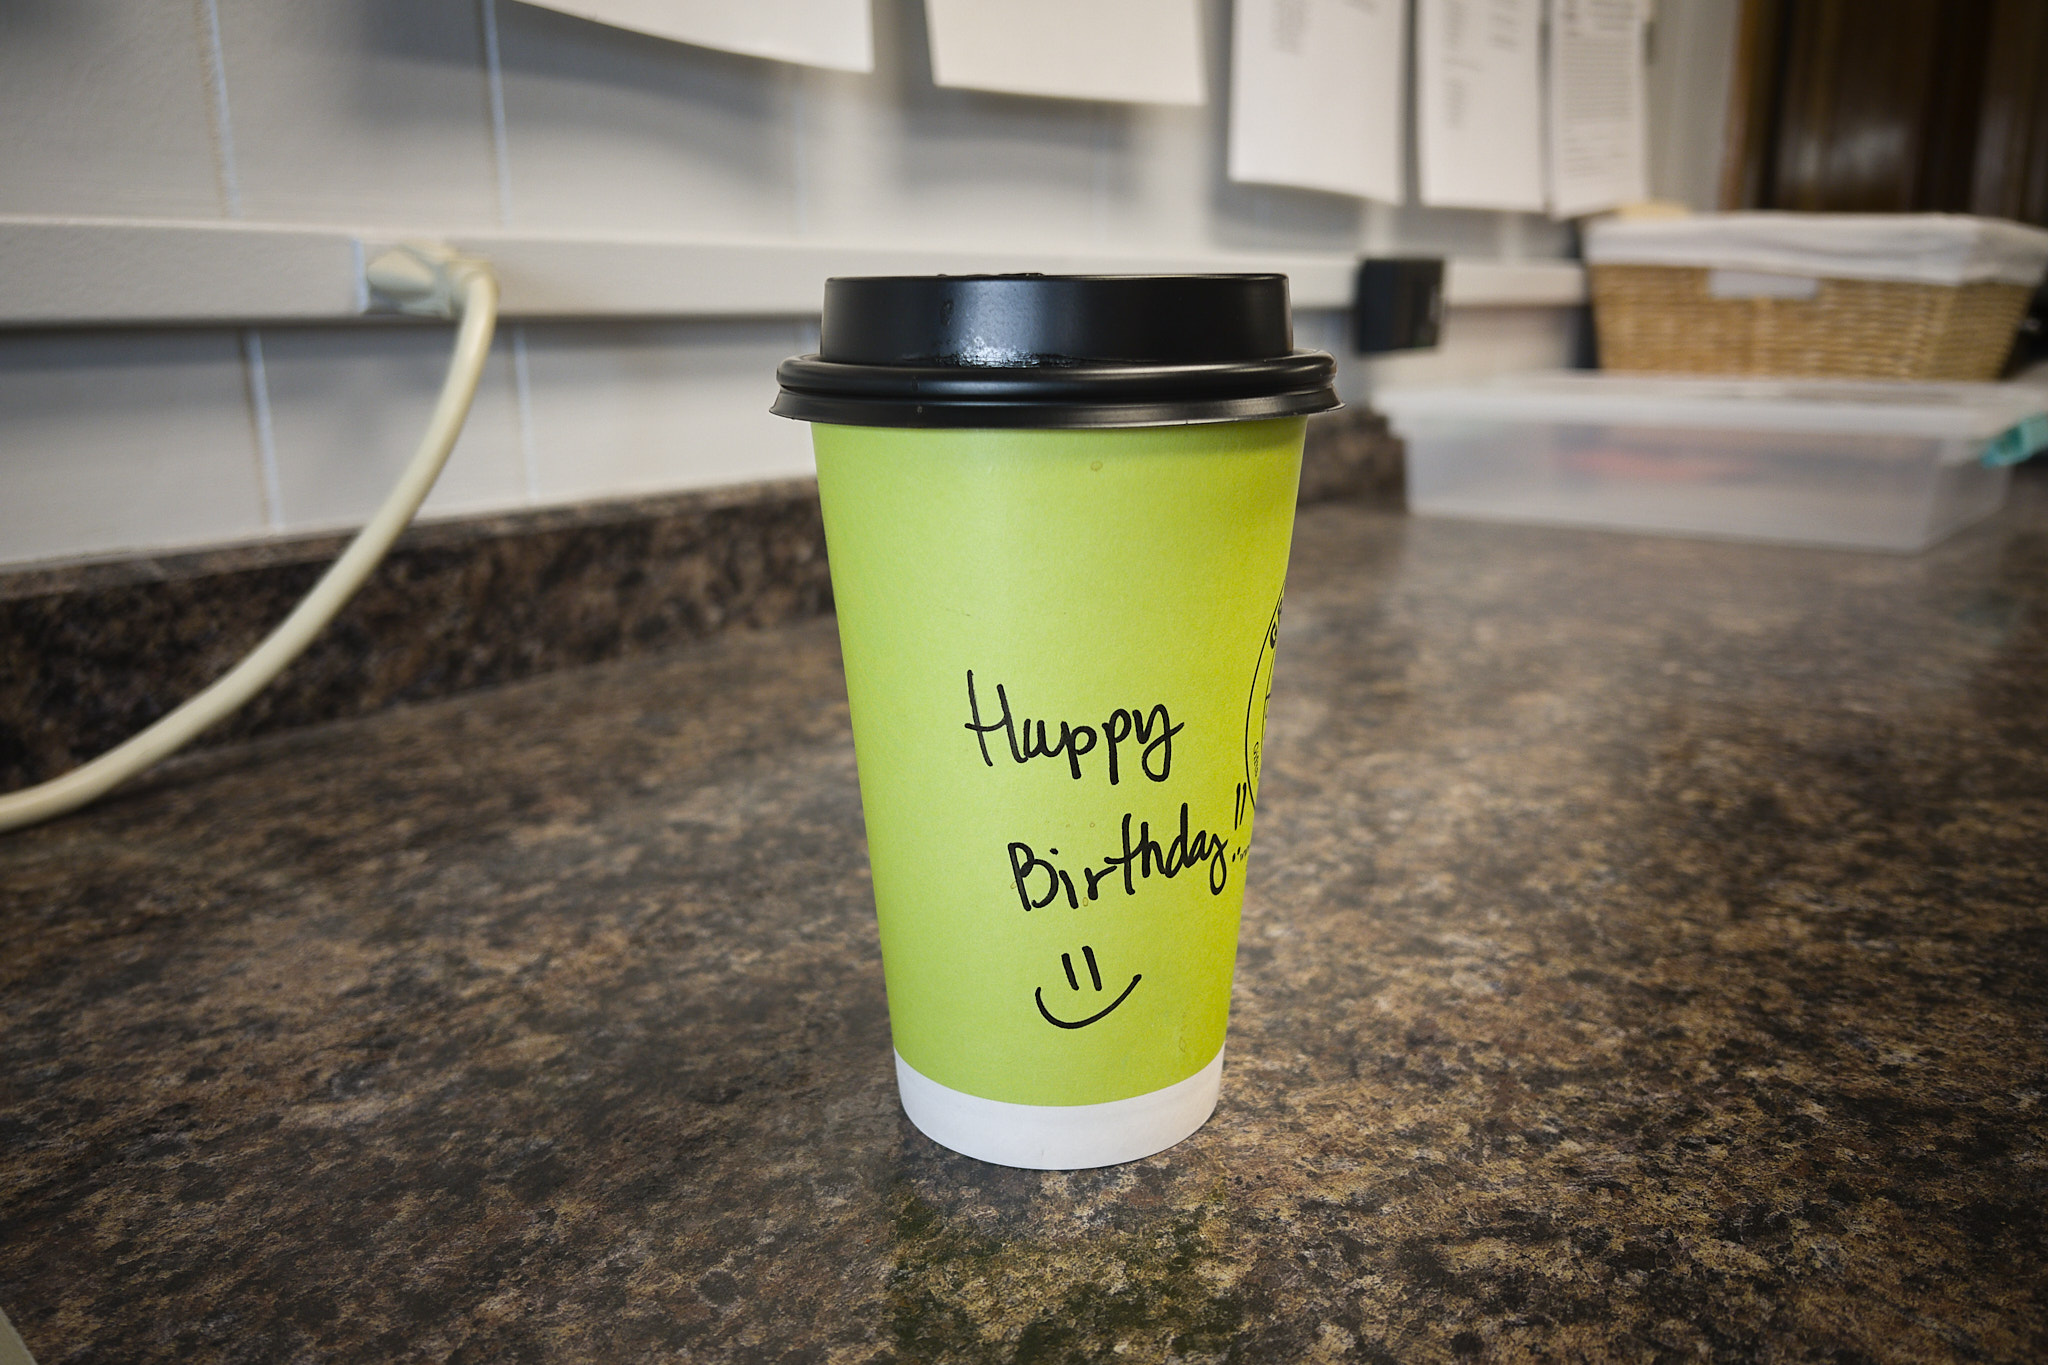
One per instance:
(1645,958)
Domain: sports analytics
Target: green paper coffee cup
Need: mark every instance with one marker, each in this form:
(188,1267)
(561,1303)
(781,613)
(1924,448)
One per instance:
(1058,512)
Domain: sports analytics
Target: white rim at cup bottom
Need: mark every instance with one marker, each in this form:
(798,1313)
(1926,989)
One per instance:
(1059,1137)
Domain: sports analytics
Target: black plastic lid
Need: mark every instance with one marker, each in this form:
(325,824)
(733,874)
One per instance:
(1054,351)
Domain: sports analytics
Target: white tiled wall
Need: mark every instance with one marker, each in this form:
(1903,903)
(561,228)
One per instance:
(639,408)
(390,113)
(615,131)
(347,406)
(106,108)
(891,157)
(124,439)
(359,111)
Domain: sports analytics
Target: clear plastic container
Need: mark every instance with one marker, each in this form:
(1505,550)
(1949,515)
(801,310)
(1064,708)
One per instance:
(1882,466)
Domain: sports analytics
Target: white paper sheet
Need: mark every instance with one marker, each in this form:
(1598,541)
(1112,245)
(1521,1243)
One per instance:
(832,33)
(1317,89)
(1599,146)
(1140,51)
(1479,106)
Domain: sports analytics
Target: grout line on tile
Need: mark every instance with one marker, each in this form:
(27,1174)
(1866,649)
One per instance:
(799,167)
(362,274)
(1379,228)
(223,126)
(266,438)
(1511,245)
(522,391)
(1098,189)
(494,80)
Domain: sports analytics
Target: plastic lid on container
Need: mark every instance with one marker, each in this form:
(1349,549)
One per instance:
(1925,248)
(1944,411)
(1055,351)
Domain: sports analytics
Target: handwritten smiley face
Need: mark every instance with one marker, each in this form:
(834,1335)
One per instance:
(1094,975)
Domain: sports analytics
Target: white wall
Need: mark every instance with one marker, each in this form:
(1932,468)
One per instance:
(1690,77)
(391,114)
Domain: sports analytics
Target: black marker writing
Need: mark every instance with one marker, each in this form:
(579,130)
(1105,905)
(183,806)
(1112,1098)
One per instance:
(1074,983)
(1152,729)
(1039,881)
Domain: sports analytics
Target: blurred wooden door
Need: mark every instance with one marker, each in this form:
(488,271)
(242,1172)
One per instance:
(1892,106)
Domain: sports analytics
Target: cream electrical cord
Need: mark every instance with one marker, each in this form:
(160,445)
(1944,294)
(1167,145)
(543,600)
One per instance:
(428,280)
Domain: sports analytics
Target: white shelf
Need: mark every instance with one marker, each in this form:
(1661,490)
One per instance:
(95,272)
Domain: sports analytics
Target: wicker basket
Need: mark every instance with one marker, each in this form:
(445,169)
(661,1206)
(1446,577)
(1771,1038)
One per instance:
(1664,319)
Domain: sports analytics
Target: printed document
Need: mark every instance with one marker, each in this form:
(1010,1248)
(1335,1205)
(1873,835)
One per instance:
(832,33)
(1317,92)
(1479,108)
(1598,133)
(1138,51)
